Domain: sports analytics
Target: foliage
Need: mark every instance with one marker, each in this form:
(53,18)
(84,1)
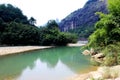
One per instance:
(112,53)
(19,34)
(32,21)
(96,79)
(106,36)
(51,35)
(101,37)
(16,29)
(114,7)
(82,32)
(10,13)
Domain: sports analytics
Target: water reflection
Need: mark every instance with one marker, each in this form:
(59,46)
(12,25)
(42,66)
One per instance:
(42,72)
(56,63)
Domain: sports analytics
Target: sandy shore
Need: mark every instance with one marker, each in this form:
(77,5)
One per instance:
(72,45)
(18,49)
(79,43)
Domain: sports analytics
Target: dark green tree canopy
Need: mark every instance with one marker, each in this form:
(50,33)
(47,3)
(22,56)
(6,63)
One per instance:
(52,24)
(10,13)
(16,29)
(32,21)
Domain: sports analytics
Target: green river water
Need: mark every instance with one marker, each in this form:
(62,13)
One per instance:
(57,63)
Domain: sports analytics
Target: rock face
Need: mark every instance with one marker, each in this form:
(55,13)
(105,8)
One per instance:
(84,17)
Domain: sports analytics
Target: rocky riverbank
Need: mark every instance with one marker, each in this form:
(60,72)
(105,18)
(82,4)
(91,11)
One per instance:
(103,73)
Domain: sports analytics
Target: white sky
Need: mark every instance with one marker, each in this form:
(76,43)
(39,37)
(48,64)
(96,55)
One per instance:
(44,10)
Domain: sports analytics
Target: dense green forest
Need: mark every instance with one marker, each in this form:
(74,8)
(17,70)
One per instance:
(106,37)
(17,29)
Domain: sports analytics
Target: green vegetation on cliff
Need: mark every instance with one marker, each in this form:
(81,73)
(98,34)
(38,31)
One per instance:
(106,37)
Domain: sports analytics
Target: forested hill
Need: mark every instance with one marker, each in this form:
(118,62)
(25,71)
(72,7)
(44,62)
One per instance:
(16,29)
(82,20)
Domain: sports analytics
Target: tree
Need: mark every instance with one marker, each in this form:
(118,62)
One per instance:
(32,21)
(52,24)
(10,13)
(51,35)
(15,29)
(20,34)
(106,36)
(108,28)
(114,7)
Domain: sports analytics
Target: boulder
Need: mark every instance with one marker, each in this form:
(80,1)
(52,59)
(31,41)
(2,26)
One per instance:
(86,52)
(98,57)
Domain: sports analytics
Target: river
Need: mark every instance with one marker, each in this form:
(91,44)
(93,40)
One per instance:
(49,64)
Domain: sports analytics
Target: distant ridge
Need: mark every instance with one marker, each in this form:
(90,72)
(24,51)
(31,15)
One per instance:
(84,17)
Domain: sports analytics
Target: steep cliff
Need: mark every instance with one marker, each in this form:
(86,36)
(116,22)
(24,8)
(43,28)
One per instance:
(83,20)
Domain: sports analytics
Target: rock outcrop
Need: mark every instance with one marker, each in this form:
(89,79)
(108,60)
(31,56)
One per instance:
(82,20)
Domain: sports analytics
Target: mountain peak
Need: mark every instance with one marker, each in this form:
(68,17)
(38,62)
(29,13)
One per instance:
(84,17)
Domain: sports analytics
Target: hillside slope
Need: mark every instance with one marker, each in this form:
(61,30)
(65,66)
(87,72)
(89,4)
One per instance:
(82,20)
